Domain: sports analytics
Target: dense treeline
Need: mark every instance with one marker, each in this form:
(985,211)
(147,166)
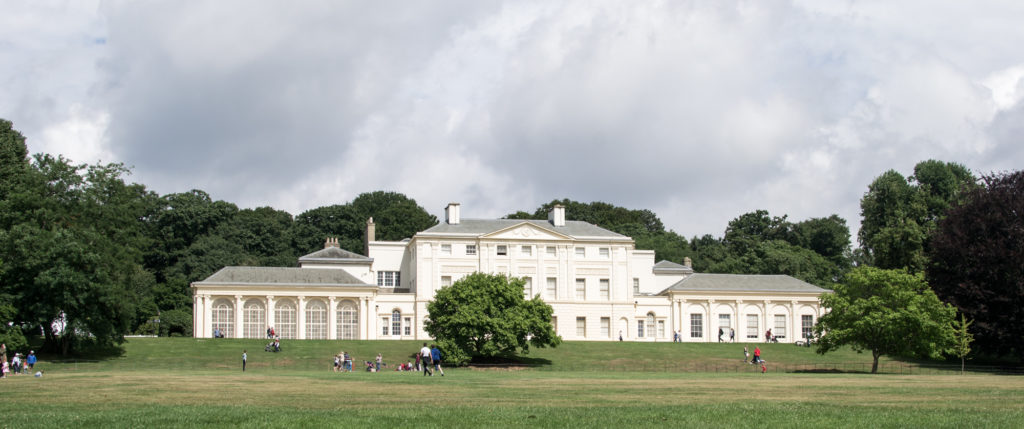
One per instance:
(102,257)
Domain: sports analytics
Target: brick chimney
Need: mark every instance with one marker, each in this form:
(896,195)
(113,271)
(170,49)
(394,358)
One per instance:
(331,242)
(557,215)
(451,214)
(371,235)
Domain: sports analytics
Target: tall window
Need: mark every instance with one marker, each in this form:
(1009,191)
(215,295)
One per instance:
(640,328)
(603,252)
(254,319)
(552,251)
(581,327)
(446,281)
(396,323)
(385,326)
(581,252)
(527,287)
(316,320)
(348,321)
(470,249)
(502,250)
(752,326)
(725,324)
(552,288)
(407,326)
(223,317)
(661,329)
(606,327)
(581,289)
(780,326)
(636,286)
(389,278)
(650,324)
(807,326)
(696,325)
(605,287)
(446,249)
(526,250)
(554,323)
(284,319)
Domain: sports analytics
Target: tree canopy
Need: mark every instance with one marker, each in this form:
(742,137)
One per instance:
(485,315)
(976,261)
(898,213)
(885,312)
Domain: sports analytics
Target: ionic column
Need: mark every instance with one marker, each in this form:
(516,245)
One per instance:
(270,312)
(196,317)
(207,316)
(301,316)
(332,316)
(238,317)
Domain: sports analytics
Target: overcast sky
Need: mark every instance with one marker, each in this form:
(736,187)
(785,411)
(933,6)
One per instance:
(697,110)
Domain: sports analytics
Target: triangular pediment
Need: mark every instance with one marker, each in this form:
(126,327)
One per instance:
(526,231)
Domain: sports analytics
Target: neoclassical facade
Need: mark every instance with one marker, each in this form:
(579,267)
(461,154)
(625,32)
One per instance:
(600,286)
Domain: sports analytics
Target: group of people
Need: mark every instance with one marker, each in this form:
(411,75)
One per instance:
(342,362)
(721,335)
(17,365)
(757,358)
(429,357)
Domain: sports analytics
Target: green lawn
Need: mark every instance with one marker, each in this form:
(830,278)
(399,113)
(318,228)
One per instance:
(199,383)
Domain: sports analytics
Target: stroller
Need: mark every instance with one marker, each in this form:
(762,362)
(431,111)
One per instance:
(273,346)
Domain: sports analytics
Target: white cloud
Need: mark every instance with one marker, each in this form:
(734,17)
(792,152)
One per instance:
(697,110)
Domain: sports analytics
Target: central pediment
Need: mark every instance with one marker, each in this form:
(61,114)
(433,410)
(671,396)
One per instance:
(526,231)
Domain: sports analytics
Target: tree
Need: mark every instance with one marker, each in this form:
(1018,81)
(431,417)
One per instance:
(485,315)
(898,214)
(962,339)
(395,215)
(886,312)
(975,262)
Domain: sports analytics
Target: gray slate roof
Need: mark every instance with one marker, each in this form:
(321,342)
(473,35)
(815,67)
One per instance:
(336,255)
(671,268)
(284,276)
(744,283)
(573,228)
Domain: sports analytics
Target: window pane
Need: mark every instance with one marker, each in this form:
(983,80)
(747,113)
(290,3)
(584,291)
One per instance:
(639,328)
(285,319)
(752,326)
(696,325)
(606,327)
(470,249)
(581,252)
(780,326)
(807,325)
(581,327)
(581,289)
(605,286)
(527,287)
(396,322)
(527,250)
(502,250)
(552,251)
(552,287)
(603,252)
(636,286)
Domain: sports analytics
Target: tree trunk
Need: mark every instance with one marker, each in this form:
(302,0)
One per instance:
(874,365)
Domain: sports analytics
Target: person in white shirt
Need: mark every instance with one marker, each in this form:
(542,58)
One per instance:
(425,358)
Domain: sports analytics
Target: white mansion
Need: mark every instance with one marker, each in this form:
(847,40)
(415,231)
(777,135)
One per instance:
(600,286)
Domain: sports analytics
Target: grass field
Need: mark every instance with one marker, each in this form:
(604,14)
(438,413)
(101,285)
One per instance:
(196,383)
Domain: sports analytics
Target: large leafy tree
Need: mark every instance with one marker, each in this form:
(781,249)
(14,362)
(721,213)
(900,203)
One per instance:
(485,315)
(976,262)
(758,243)
(899,213)
(885,312)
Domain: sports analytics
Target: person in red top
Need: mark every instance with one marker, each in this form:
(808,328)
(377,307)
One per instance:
(757,354)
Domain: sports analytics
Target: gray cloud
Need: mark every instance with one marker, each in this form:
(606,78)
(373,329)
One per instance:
(698,110)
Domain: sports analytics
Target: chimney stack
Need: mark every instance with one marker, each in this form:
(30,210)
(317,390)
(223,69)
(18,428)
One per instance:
(557,215)
(451,214)
(331,242)
(687,262)
(371,235)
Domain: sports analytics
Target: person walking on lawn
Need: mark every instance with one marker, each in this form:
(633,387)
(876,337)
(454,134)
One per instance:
(426,360)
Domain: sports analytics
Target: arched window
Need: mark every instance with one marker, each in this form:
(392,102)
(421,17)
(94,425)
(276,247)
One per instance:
(396,322)
(348,321)
(284,319)
(650,325)
(223,317)
(316,320)
(254,319)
